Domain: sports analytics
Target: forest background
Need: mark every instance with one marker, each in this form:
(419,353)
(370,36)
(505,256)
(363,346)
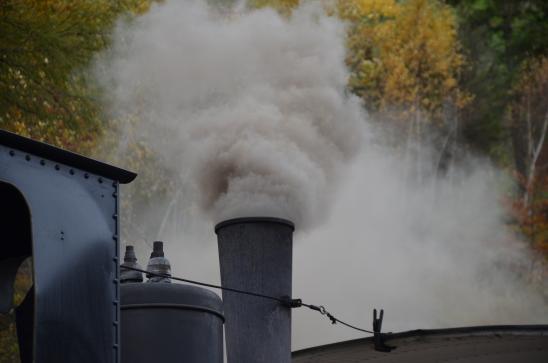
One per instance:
(471,76)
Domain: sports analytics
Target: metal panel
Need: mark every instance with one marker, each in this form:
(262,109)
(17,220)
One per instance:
(168,323)
(74,221)
(65,157)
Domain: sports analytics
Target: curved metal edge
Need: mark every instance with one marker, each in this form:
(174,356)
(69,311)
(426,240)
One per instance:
(538,329)
(473,330)
(54,153)
(245,220)
(172,306)
(33,272)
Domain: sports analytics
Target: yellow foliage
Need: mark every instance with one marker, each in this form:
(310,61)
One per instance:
(9,349)
(283,6)
(359,10)
(403,54)
(533,78)
(47,44)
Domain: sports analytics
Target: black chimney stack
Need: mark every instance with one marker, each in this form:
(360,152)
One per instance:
(256,255)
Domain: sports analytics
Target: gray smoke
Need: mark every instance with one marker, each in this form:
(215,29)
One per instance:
(250,112)
(433,255)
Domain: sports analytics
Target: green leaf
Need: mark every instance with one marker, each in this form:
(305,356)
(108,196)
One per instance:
(495,21)
(480,5)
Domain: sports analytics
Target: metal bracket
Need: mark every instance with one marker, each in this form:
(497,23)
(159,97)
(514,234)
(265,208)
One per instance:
(378,338)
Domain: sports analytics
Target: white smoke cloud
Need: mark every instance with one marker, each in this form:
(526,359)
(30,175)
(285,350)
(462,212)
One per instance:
(433,255)
(251,113)
(251,110)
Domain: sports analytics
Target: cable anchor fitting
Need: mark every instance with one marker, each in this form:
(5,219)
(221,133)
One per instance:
(291,303)
(378,337)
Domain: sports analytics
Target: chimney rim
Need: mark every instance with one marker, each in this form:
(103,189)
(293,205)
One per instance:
(241,220)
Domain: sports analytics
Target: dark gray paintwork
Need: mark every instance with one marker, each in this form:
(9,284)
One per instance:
(74,225)
(256,255)
(168,323)
(52,153)
(483,344)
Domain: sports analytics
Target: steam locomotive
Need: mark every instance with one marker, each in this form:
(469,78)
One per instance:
(62,210)
(88,304)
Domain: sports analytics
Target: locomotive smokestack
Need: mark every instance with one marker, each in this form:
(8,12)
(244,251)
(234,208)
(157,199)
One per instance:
(256,255)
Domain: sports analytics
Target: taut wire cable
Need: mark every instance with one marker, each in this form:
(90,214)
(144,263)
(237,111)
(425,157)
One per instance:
(285,300)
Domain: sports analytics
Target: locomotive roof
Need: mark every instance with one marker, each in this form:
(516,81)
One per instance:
(485,344)
(59,155)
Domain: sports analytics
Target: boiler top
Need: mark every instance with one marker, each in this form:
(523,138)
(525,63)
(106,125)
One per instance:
(170,323)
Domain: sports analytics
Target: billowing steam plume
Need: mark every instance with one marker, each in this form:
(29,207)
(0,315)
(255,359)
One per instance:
(251,113)
(251,109)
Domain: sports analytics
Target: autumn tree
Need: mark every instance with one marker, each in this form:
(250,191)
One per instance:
(528,119)
(405,60)
(283,6)
(401,54)
(415,47)
(44,48)
(528,114)
(497,36)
